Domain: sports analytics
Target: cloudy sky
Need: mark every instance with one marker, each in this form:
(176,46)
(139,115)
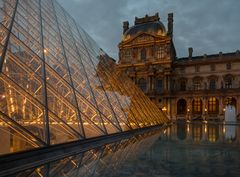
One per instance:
(209,26)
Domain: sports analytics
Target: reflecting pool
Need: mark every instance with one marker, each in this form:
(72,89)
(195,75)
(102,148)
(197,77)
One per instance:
(180,150)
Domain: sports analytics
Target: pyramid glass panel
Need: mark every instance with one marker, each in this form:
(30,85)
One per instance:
(57,85)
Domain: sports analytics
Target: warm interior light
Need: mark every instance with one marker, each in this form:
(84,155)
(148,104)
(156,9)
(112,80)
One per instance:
(164,108)
(205,109)
(45,50)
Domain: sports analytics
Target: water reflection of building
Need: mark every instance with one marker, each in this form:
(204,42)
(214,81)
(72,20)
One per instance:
(198,133)
(190,87)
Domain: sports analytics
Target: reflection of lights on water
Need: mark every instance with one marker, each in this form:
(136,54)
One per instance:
(40,122)
(165,131)
(224,109)
(205,129)
(3,96)
(188,128)
(224,129)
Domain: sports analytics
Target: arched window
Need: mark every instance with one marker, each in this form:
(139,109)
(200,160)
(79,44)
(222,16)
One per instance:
(213,105)
(181,107)
(143,54)
(142,84)
(212,84)
(159,85)
(197,106)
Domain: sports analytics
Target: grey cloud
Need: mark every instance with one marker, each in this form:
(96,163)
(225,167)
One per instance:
(209,26)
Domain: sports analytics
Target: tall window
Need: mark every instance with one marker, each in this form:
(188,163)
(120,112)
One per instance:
(213,105)
(127,55)
(134,53)
(159,85)
(142,83)
(143,54)
(212,84)
(160,53)
(213,67)
(197,68)
(228,66)
(197,106)
(228,82)
(182,85)
(196,84)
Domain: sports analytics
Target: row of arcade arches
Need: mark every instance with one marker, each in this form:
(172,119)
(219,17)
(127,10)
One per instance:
(212,105)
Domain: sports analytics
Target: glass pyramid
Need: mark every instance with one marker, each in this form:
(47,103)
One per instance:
(57,85)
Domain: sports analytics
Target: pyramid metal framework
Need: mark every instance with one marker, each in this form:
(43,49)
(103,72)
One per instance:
(57,85)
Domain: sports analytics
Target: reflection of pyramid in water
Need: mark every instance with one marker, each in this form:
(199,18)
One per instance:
(57,85)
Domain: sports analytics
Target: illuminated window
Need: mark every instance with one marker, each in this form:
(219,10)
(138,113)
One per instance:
(197,106)
(160,53)
(213,105)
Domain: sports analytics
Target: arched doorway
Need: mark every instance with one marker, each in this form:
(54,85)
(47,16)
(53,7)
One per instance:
(213,105)
(230,109)
(197,106)
(181,107)
(231,101)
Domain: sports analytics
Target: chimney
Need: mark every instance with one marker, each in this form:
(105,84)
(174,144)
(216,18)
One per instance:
(190,51)
(170,24)
(125,26)
(220,54)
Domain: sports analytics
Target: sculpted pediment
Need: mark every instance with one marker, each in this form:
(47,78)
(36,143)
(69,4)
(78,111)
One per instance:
(141,39)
